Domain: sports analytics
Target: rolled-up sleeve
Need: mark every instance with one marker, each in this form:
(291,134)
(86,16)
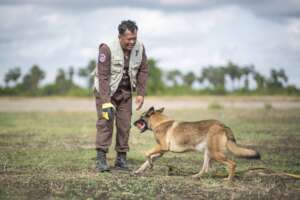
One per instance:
(142,75)
(103,66)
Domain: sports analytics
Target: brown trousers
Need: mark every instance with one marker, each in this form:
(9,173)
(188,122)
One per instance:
(122,100)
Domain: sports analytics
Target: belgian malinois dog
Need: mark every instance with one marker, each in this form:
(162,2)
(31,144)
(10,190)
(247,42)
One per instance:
(210,136)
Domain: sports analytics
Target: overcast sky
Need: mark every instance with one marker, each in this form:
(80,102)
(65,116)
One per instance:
(183,34)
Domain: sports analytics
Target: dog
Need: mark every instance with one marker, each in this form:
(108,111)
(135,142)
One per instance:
(210,136)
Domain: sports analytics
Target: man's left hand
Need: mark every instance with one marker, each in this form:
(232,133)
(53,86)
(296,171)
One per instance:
(139,101)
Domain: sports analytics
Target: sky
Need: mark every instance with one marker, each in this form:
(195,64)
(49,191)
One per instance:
(181,34)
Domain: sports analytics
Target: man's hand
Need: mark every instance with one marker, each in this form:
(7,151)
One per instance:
(139,101)
(107,111)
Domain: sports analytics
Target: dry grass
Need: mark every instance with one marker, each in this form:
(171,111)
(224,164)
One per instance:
(51,155)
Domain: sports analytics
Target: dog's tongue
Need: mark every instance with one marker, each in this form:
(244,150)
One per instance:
(140,125)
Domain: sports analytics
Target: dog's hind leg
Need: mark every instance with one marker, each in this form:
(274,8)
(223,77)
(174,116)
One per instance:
(220,157)
(205,165)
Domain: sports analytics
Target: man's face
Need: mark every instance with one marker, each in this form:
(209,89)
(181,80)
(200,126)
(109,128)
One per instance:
(128,39)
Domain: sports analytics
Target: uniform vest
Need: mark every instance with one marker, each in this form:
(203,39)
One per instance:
(117,66)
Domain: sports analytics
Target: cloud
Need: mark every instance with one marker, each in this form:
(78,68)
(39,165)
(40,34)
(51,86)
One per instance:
(269,8)
(49,34)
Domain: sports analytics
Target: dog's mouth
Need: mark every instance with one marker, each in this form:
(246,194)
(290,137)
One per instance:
(141,124)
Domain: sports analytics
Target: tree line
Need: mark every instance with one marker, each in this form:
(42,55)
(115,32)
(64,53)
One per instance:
(230,78)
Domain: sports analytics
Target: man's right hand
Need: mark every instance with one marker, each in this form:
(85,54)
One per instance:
(139,102)
(107,111)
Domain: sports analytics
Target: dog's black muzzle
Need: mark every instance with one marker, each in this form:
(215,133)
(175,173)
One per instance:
(141,124)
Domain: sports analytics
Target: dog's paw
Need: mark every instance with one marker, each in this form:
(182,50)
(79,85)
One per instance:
(150,161)
(196,176)
(151,166)
(136,173)
(228,179)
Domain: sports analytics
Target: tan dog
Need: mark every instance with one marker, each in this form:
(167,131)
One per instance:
(210,136)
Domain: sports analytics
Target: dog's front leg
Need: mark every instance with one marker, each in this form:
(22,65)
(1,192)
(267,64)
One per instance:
(151,156)
(205,165)
(142,168)
(147,163)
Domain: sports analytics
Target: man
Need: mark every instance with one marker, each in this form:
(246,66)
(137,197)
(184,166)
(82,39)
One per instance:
(122,68)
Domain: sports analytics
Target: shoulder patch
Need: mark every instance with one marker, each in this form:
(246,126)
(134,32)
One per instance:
(102,57)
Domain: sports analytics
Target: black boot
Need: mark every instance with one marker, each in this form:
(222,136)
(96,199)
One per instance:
(101,164)
(121,162)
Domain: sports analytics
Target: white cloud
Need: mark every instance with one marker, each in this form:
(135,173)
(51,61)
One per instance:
(181,2)
(293,29)
(188,40)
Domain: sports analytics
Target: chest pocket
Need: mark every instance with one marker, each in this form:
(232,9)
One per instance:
(117,61)
(137,64)
(116,66)
(135,68)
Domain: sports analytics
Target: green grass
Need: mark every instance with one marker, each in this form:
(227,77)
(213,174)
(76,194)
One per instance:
(51,155)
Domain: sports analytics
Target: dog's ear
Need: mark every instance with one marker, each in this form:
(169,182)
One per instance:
(161,110)
(150,111)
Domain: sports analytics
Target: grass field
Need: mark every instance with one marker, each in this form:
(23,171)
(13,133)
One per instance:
(50,155)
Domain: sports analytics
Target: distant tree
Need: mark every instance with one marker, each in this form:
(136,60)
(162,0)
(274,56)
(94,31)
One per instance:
(60,77)
(12,75)
(82,72)
(205,74)
(238,76)
(86,72)
(173,76)
(260,80)
(273,81)
(215,76)
(282,76)
(62,83)
(189,78)
(246,71)
(277,79)
(232,70)
(155,82)
(71,73)
(32,79)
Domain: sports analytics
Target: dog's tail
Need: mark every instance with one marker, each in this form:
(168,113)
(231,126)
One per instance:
(238,150)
